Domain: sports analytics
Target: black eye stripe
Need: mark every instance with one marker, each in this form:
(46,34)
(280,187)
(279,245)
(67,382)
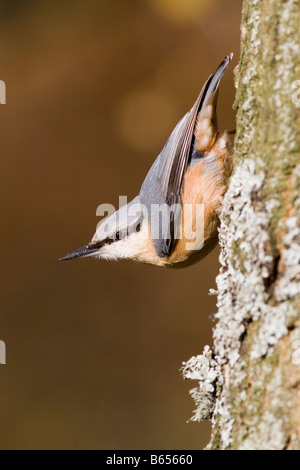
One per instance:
(101,243)
(108,241)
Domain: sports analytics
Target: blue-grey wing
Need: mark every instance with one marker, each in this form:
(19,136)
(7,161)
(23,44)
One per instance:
(163,184)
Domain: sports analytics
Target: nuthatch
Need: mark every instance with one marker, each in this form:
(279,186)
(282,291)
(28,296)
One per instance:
(192,170)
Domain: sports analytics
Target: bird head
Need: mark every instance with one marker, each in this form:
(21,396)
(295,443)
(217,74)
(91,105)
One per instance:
(119,236)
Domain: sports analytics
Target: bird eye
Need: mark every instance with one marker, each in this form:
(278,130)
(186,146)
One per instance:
(118,236)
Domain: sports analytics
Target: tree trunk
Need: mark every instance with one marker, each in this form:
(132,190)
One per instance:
(250,383)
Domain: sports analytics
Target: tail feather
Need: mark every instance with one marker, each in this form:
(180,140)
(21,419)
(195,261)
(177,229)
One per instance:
(206,129)
(213,83)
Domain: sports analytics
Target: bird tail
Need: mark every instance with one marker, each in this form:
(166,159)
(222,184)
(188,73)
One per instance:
(210,91)
(206,129)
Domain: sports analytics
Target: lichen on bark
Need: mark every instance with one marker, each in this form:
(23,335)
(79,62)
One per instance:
(257,402)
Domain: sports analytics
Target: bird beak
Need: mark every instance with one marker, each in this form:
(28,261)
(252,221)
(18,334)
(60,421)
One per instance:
(84,252)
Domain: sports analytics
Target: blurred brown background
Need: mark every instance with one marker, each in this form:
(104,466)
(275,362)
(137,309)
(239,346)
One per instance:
(94,88)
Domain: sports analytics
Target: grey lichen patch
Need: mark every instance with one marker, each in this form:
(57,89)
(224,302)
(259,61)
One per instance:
(287,54)
(289,285)
(222,415)
(264,420)
(243,297)
(207,372)
(246,77)
(267,436)
(205,403)
(273,327)
(242,281)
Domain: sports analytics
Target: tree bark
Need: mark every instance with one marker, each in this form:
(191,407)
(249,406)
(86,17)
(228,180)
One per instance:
(249,384)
